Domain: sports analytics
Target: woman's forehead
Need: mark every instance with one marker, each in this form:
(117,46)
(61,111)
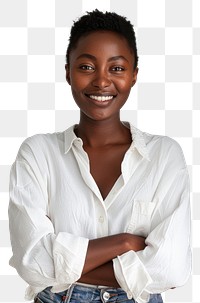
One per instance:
(101,34)
(105,41)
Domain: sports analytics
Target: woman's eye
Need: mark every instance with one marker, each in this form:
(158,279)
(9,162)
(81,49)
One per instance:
(86,67)
(118,69)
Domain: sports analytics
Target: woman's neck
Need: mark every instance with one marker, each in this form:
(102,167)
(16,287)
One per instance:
(101,133)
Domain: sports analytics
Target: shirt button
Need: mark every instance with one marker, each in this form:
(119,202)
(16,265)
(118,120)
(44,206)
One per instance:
(129,295)
(106,296)
(101,219)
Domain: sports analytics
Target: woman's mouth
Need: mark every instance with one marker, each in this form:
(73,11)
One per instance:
(100,98)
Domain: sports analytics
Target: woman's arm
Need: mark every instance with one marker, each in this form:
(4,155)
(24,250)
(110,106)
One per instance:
(103,250)
(100,250)
(102,275)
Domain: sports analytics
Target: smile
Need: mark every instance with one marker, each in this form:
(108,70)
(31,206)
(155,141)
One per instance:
(101,98)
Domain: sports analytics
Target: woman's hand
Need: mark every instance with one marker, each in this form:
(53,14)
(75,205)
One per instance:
(133,242)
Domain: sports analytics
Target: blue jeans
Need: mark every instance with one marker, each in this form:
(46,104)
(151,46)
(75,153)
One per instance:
(84,294)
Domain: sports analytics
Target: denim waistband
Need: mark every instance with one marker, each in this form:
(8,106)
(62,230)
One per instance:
(91,285)
(82,293)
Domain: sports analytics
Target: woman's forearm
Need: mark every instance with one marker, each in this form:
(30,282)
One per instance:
(103,250)
(102,275)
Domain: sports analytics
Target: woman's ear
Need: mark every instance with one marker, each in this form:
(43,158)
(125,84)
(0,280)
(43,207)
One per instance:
(135,72)
(67,74)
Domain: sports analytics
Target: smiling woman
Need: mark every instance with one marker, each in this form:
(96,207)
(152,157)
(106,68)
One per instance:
(100,212)
(101,74)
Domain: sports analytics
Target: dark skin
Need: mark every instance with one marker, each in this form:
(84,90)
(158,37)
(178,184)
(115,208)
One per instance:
(101,75)
(107,158)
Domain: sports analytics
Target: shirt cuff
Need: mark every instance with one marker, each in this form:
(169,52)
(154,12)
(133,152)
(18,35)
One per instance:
(132,276)
(69,254)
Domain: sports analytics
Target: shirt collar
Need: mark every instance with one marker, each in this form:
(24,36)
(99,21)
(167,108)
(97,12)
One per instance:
(138,141)
(137,137)
(69,138)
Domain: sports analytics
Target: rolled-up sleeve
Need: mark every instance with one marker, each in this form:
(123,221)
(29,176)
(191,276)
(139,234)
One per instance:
(40,256)
(166,261)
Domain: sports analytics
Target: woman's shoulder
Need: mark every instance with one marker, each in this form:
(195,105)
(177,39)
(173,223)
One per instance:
(40,144)
(163,141)
(164,148)
(43,138)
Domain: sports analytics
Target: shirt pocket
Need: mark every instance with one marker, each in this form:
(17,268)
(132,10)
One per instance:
(141,216)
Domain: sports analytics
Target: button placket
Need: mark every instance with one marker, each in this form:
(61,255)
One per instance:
(101,219)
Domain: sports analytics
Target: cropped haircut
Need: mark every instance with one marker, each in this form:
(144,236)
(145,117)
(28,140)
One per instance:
(98,21)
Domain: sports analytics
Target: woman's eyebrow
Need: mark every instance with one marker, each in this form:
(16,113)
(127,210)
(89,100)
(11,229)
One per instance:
(86,56)
(115,58)
(89,56)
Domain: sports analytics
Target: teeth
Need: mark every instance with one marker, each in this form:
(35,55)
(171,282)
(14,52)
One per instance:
(101,98)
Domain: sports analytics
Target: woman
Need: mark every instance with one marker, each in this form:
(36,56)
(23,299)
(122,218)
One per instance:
(100,212)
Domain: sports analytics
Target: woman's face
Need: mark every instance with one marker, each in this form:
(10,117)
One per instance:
(101,74)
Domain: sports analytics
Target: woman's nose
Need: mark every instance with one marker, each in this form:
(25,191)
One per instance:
(101,80)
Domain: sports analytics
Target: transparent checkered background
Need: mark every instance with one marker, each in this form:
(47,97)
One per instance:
(34,97)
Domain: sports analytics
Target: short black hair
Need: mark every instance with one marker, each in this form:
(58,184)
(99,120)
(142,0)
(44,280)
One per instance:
(98,21)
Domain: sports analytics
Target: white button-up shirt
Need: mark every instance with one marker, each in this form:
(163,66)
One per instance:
(56,208)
